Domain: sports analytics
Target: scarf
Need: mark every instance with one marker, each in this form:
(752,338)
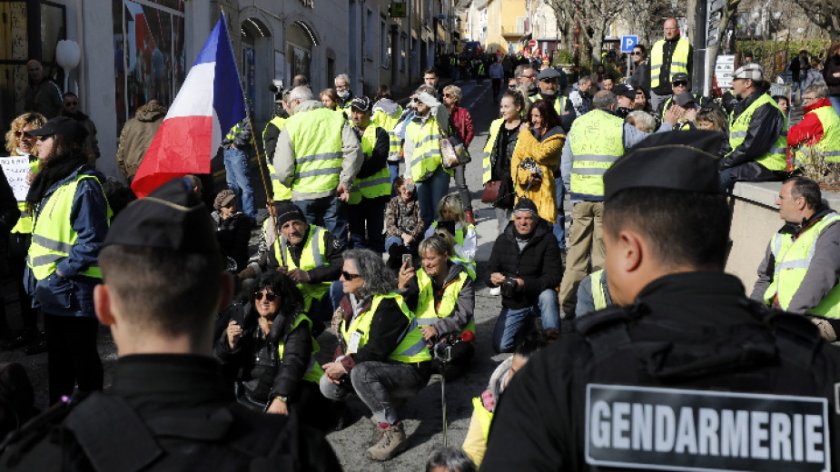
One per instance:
(58,168)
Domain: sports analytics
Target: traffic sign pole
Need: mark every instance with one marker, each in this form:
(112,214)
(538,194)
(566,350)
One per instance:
(628,43)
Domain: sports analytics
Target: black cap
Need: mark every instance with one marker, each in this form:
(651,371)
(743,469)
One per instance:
(625,90)
(172,217)
(287,211)
(526,204)
(63,126)
(684,99)
(679,77)
(679,160)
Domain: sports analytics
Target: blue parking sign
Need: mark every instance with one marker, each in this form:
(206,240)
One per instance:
(628,43)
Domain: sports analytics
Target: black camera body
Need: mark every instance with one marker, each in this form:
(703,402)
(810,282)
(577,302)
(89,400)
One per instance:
(508,287)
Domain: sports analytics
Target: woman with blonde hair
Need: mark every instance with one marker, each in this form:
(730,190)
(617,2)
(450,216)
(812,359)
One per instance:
(20,143)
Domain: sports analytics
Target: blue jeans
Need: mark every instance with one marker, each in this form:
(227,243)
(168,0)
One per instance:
(326,212)
(430,192)
(560,224)
(835,102)
(239,180)
(506,333)
(394,172)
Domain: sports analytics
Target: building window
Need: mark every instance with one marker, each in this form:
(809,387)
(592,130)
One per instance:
(369,22)
(385,40)
(148,53)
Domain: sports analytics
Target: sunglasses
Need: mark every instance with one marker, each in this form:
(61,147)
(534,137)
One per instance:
(636,53)
(348,276)
(680,83)
(258,296)
(23,134)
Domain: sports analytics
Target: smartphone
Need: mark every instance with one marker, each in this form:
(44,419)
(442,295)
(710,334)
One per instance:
(406,258)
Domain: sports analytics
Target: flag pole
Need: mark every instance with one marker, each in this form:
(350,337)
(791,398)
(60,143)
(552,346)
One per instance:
(260,160)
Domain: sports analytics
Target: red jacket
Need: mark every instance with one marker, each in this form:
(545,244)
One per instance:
(461,121)
(809,131)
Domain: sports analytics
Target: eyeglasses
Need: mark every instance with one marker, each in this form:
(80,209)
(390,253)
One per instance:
(636,53)
(348,276)
(528,76)
(680,84)
(258,296)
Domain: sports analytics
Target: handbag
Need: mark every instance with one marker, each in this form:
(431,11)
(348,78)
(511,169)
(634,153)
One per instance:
(491,191)
(449,156)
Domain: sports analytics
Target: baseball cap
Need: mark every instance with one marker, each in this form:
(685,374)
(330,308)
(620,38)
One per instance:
(625,90)
(360,104)
(679,77)
(750,71)
(548,74)
(62,126)
(684,99)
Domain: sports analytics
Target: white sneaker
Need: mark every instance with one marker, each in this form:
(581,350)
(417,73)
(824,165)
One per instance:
(496,291)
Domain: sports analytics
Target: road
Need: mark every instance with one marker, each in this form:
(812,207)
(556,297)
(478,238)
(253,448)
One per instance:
(422,414)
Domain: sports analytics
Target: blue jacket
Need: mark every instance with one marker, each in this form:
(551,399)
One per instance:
(71,294)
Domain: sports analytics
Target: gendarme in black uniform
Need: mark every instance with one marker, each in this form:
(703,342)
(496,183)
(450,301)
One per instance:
(691,376)
(165,411)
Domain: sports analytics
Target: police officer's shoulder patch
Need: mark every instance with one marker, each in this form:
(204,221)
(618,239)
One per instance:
(680,429)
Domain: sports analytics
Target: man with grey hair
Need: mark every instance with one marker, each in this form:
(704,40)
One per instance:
(597,139)
(526,77)
(819,129)
(342,89)
(579,96)
(318,155)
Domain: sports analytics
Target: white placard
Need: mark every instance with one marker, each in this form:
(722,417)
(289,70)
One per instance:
(724,70)
(16,168)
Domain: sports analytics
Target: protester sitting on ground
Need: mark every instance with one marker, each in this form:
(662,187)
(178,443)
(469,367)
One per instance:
(536,157)
(20,143)
(233,228)
(642,100)
(525,262)
(269,351)
(441,295)
(452,217)
(461,126)
(449,460)
(378,357)
(711,118)
(403,224)
(310,255)
(593,293)
(643,121)
(475,442)
(498,152)
(784,104)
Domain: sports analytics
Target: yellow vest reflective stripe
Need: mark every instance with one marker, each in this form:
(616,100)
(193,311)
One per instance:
(559,102)
(25,222)
(234,132)
(596,140)
(280,191)
(791,267)
(485,418)
(495,126)
(426,157)
(315,136)
(679,60)
(388,123)
(779,245)
(411,349)
(312,256)
(376,185)
(426,312)
(599,292)
(775,159)
(314,371)
(467,264)
(54,236)
(829,144)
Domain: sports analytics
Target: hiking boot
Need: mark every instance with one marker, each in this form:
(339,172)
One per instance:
(390,444)
(377,432)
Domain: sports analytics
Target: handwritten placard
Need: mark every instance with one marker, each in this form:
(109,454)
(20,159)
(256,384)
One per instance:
(16,168)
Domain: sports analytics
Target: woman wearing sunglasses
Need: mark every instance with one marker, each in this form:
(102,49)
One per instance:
(269,351)
(380,359)
(20,143)
(641,68)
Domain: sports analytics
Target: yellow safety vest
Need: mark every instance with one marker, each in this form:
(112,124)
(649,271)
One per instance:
(829,144)
(312,256)
(388,123)
(25,222)
(280,191)
(775,159)
(376,185)
(495,126)
(426,311)
(597,141)
(485,418)
(559,102)
(460,234)
(411,349)
(53,235)
(599,291)
(315,136)
(314,371)
(679,60)
(793,257)
(426,157)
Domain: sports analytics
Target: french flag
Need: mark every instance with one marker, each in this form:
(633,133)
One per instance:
(208,105)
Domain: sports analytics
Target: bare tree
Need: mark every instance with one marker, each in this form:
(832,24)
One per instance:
(564,13)
(823,13)
(728,11)
(647,17)
(595,17)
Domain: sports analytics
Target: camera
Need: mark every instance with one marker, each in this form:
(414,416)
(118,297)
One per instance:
(443,351)
(508,287)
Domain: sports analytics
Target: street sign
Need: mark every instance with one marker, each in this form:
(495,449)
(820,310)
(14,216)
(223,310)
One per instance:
(628,43)
(724,69)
